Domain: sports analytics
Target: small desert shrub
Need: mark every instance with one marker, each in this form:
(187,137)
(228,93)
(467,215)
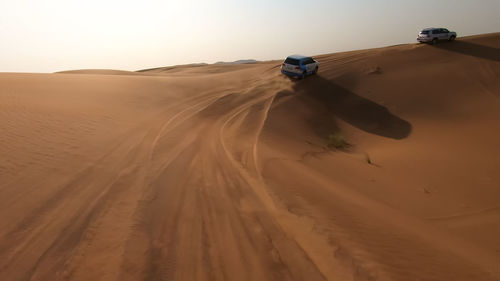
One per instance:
(337,141)
(368,159)
(375,70)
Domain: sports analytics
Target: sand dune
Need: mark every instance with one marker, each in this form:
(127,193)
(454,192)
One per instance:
(222,172)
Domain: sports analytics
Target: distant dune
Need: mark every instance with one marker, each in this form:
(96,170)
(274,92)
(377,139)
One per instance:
(384,166)
(238,62)
(176,67)
(100,71)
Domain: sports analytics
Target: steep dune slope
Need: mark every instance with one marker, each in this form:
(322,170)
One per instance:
(221,172)
(427,118)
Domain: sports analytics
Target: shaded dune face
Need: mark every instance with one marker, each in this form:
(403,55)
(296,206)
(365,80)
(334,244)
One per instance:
(473,49)
(223,172)
(358,111)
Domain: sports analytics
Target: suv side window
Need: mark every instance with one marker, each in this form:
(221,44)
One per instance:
(444,30)
(436,31)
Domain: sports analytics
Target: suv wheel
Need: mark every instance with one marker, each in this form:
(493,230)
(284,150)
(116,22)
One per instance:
(434,41)
(452,38)
(315,70)
(304,74)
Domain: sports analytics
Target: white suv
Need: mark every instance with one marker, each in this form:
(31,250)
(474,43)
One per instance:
(433,35)
(299,66)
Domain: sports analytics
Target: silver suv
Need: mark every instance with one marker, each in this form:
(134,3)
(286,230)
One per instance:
(433,35)
(299,66)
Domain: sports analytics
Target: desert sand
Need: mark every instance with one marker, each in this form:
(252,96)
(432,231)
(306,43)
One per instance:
(223,172)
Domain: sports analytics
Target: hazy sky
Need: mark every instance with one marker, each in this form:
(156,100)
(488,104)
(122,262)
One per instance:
(54,35)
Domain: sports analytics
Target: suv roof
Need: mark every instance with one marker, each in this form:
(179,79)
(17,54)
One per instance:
(433,28)
(297,57)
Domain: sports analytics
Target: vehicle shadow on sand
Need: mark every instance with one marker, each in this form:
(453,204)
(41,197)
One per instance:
(471,49)
(359,112)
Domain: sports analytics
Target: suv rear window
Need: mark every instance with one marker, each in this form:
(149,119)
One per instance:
(292,61)
(307,61)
